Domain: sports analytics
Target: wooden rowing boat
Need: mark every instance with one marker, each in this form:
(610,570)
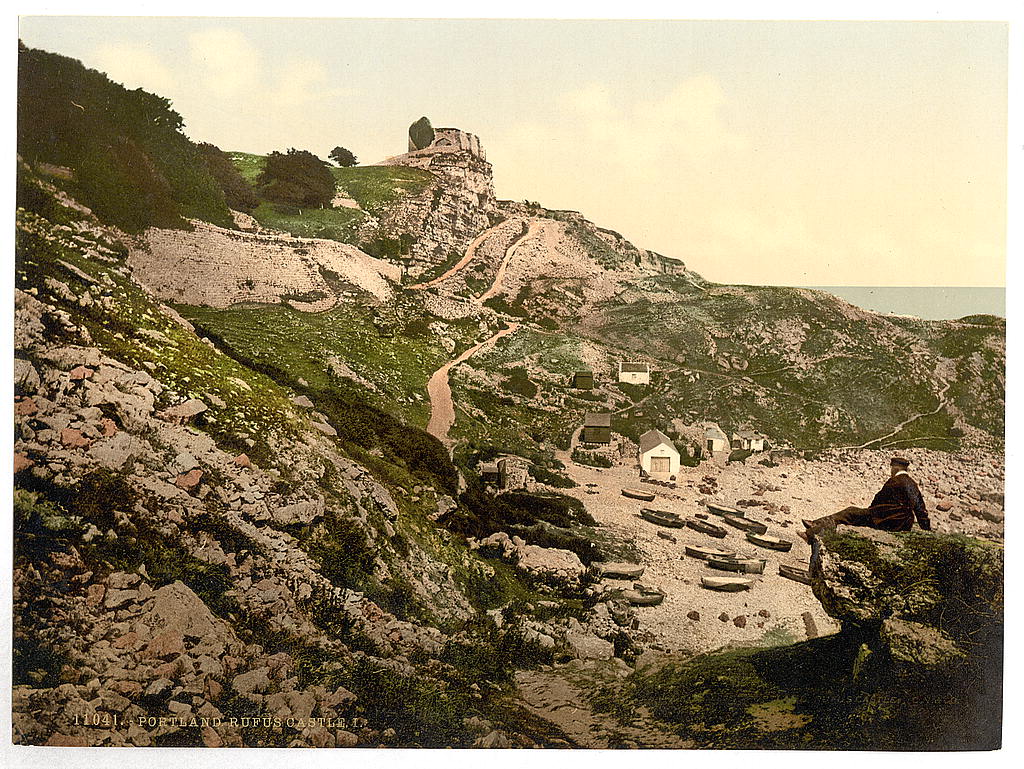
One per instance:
(618,570)
(742,565)
(644,596)
(727,584)
(640,494)
(718,509)
(662,518)
(739,522)
(795,573)
(696,551)
(772,543)
(706,528)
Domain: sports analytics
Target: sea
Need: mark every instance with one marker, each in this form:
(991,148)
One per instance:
(928,302)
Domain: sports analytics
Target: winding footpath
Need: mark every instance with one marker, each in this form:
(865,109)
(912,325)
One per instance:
(439,391)
(459,266)
(442,408)
(535,228)
(942,402)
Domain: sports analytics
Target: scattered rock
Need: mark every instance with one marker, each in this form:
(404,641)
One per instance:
(188,481)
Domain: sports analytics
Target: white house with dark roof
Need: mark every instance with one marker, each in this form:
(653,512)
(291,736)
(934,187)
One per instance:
(634,372)
(658,455)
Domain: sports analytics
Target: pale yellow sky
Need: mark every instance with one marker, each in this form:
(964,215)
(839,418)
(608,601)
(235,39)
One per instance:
(794,153)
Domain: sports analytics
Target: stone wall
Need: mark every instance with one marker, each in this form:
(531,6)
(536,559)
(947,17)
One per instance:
(217,267)
(450,140)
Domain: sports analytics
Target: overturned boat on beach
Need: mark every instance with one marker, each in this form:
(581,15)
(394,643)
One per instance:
(706,528)
(717,509)
(662,518)
(703,553)
(770,542)
(633,493)
(745,524)
(741,565)
(726,584)
(795,573)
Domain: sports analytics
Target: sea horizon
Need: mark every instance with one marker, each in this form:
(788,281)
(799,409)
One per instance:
(926,302)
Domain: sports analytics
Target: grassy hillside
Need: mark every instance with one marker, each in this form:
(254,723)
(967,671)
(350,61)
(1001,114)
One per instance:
(394,365)
(373,188)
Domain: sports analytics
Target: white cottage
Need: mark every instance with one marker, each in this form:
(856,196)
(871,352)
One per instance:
(715,439)
(658,455)
(634,372)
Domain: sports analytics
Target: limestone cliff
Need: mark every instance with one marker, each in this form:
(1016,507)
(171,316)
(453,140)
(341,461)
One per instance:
(446,217)
(217,267)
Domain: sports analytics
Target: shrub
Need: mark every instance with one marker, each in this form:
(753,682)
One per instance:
(590,459)
(343,157)
(421,133)
(342,550)
(238,193)
(552,478)
(132,165)
(519,382)
(297,178)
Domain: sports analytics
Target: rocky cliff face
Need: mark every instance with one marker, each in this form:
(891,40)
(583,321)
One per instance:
(194,548)
(217,267)
(446,217)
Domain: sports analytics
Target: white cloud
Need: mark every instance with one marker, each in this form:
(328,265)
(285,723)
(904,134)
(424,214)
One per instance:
(136,67)
(228,62)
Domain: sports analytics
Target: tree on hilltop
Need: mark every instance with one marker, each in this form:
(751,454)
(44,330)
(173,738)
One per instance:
(343,157)
(297,178)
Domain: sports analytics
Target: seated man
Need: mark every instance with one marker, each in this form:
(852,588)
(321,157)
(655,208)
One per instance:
(893,509)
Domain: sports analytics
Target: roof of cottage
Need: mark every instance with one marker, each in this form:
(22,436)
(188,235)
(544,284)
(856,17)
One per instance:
(653,438)
(597,420)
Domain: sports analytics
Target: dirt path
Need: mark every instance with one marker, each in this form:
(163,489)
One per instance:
(442,408)
(905,422)
(532,231)
(559,697)
(466,259)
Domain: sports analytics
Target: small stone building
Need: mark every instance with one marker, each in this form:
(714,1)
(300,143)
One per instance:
(597,428)
(513,472)
(583,380)
(715,439)
(634,372)
(658,455)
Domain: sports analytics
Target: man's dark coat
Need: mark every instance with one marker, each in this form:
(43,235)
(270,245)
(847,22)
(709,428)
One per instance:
(896,505)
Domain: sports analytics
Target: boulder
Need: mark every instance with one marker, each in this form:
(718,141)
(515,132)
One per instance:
(26,378)
(928,611)
(184,411)
(586,646)
(561,568)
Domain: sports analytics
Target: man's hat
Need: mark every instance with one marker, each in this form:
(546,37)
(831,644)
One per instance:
(900,462)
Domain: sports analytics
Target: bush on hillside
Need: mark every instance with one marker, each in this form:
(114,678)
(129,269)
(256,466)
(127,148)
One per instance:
(343,157)
(296,178)
(421,133)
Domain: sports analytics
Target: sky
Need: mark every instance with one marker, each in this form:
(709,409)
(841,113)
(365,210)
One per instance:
(773,153)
